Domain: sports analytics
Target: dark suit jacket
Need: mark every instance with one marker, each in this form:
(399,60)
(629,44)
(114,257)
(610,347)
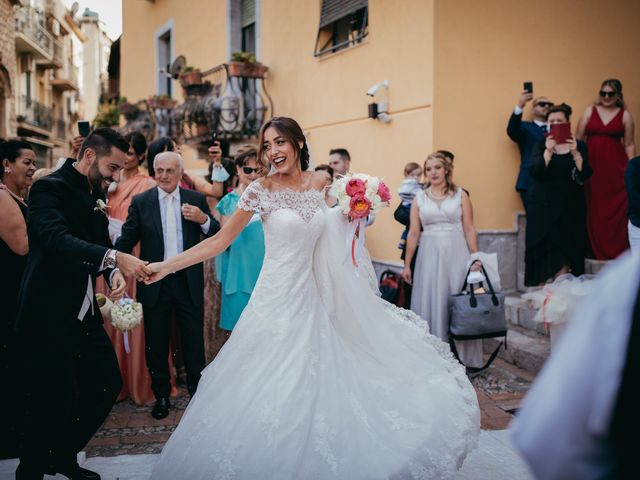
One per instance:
(144,225)
(526,135)
(68,240)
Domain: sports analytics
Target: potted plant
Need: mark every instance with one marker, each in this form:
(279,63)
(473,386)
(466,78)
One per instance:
(244,64)
(161,101)
(190,76)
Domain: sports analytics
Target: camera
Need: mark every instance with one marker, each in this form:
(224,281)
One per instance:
(376,88)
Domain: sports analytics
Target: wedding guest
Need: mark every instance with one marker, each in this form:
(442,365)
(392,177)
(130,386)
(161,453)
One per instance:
(608,129)
(136,382)
(555,237)
(167,220)
(323,167)
(632,183)
(443,211)
(239,265)
(526,135)
(69,371)
(16,172)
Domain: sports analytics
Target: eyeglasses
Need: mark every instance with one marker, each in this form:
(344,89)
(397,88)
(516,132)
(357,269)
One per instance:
(249,170)
(544,104)
(604,94)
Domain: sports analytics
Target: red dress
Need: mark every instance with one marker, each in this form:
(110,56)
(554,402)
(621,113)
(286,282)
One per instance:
(605,190)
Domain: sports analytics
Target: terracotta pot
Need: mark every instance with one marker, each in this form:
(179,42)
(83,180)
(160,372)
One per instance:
(166,103)
(190,78)
(247,70)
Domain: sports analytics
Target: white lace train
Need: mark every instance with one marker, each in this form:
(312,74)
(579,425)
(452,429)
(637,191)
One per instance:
(322,379)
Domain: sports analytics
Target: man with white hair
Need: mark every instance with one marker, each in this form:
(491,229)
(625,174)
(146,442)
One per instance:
(166,221)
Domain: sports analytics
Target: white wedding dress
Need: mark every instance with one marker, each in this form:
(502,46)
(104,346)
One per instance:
(322,379)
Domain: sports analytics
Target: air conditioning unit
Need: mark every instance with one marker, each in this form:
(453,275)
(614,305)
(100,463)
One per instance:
(27,63)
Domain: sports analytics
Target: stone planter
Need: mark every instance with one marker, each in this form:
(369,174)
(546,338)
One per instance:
(246,69)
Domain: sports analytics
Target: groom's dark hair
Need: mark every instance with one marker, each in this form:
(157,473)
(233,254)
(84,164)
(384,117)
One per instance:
(101,140)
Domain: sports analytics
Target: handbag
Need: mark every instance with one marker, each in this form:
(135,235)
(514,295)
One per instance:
(391,287)
(474,316)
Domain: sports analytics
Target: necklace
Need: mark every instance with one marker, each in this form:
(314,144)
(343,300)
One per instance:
(437,197)
(17,197)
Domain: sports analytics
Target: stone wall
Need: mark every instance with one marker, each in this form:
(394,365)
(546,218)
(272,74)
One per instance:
(7,68)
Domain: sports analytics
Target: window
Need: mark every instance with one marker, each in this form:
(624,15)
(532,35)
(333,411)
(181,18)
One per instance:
(164,50)
(248,25)
(343,23)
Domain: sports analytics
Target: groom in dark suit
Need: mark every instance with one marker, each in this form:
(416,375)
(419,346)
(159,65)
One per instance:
(70,373)
(526,135)
(166,221)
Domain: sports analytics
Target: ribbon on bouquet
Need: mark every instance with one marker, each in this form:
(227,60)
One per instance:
(127,348)
(355,241)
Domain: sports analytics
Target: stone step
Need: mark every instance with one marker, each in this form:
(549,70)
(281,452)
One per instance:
(525,349)
(520,313)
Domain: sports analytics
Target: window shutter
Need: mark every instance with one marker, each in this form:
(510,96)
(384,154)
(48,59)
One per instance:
(333,10)
(248,12)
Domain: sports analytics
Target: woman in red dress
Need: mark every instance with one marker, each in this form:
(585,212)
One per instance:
(608,130)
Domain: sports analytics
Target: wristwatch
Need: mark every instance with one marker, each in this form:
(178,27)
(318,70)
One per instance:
(111,259)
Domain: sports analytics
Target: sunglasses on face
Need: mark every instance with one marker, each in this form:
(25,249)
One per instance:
(544,104)
(249,170)
(604,94)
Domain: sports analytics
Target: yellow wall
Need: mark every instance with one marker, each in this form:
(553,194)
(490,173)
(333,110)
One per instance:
(485,50)
(327,95)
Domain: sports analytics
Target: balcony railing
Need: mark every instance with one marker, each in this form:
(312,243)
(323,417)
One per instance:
(31,34)
(34,113)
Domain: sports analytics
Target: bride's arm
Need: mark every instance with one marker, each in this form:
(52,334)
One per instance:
(206,249)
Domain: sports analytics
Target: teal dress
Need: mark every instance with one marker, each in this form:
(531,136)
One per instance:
(239,265)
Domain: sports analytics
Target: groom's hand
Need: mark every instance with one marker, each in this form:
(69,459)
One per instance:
(131,266)
(118,285)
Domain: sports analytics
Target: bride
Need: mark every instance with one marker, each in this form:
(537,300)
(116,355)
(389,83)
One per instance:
(321,379)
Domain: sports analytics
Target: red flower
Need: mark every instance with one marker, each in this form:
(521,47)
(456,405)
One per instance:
(355,186)
(360,206)
(383,192)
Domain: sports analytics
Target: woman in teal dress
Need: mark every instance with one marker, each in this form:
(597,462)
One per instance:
(238,267)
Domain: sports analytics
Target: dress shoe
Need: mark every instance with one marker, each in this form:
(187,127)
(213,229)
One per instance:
(79,473)
(24,472)
(161,408)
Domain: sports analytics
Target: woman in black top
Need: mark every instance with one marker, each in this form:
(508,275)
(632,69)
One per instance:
(556,222)
(18,166)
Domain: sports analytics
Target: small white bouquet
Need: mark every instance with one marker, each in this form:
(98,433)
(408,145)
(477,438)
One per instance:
(126,314)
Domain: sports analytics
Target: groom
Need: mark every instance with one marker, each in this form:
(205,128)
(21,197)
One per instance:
(70,373)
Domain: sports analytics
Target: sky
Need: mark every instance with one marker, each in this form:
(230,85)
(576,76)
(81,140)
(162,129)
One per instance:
(109,11)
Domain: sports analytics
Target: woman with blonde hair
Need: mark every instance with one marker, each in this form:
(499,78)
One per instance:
(448,238)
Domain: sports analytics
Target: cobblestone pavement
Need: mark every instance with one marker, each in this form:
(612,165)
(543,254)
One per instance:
(131,429)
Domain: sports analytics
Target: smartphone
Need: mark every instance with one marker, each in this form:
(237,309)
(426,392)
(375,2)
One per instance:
(528,87)
(561,132)
(84,128)
(214,139)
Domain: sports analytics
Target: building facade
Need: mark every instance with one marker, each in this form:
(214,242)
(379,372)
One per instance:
(454,69)
(7,69)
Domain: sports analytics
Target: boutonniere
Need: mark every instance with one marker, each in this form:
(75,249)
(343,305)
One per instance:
(101,206)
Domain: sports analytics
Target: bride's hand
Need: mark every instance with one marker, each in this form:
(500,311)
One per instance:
(158,272)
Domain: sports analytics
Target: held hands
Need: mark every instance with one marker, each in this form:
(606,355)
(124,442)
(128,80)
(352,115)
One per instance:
(406,275)
(158,272)
(118,286)
(131,266)
(193,214)
(476,266)
(76,143)
(215,154)
(524,98)
(550,143)
(573,145)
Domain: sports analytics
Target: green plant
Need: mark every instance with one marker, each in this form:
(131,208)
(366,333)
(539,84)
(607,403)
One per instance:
(108,116)
(122,100)
(189,69)
(246,57)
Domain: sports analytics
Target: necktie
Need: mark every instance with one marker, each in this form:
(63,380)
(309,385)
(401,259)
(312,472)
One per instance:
(171,248)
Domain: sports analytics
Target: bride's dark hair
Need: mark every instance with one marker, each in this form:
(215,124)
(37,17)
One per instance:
(291,131)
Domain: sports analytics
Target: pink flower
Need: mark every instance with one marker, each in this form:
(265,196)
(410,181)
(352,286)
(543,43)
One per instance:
(383,192)
(359,206)
(354,187)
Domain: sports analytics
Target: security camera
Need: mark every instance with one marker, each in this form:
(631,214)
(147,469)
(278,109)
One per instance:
(376,88)
(384,117)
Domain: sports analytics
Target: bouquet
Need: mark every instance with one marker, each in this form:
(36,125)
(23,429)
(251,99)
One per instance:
(359,196)
(126,314)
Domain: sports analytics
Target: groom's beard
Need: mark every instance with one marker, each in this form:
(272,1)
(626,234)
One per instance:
(98,182)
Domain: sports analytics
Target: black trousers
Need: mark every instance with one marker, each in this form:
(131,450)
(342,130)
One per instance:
(68,391)
(175,299)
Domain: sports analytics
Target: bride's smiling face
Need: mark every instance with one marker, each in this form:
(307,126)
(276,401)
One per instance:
(279,152)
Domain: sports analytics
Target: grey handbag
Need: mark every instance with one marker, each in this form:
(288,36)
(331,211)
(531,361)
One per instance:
(474,316)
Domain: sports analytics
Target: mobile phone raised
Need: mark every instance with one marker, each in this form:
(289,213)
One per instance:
(84,128)
(528,87)
(561,132)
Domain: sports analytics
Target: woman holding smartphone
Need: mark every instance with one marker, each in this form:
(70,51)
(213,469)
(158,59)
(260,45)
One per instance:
(555,241)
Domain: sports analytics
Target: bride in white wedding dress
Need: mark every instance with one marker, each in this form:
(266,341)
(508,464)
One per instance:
(321,379)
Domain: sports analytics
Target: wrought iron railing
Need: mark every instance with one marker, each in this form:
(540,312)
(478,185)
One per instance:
(29,23)
(34,113)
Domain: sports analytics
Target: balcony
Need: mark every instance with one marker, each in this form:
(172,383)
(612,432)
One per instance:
(34,114)
(65,79)
(57,57)
(31,36)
